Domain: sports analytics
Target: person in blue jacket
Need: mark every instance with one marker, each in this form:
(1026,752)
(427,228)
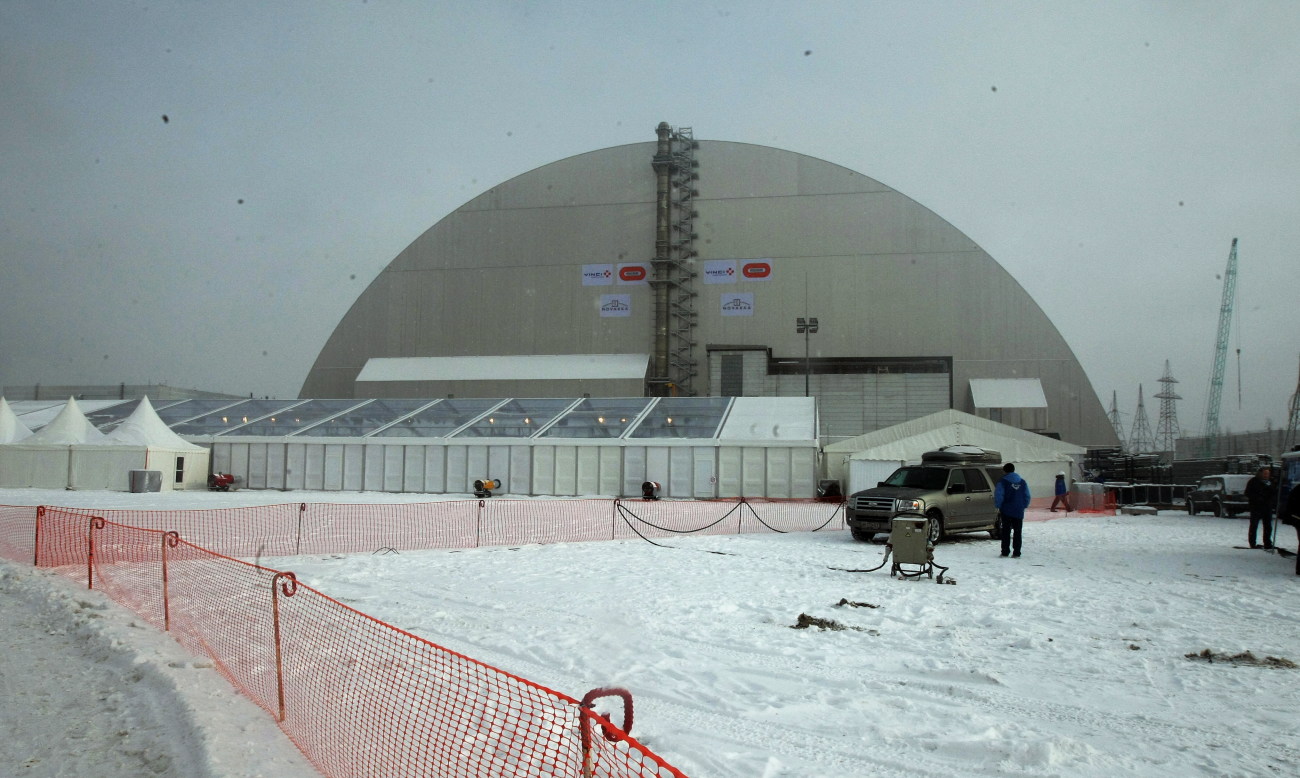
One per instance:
(1062,493)
(1011,497)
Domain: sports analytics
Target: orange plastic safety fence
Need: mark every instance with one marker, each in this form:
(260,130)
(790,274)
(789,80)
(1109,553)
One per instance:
(359,697)
(330,528)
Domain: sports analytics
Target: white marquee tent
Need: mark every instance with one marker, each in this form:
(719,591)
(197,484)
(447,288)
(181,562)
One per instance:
(863,461)
(11,429)
(71,453)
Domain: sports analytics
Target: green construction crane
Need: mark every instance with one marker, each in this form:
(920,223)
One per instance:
(1211,439)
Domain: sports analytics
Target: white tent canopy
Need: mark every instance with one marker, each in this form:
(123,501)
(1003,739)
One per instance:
(11,428)
(70,453)
(863,461)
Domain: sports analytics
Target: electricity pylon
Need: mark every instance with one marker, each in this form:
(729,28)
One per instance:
(1167,425)
(1140,439)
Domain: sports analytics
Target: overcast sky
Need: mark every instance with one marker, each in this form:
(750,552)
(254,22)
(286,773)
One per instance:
(195,193)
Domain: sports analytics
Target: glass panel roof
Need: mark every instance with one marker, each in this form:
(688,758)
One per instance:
(605,418)
(217,422)
(188,409)
(364,420)
(516,419)
(296,418)
(683,417)
(439,420)
(106,419)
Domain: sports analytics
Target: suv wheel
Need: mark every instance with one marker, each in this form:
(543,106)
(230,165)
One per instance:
(861,534)
(1218,509)
(936,526)
(996,532)
(1191,508)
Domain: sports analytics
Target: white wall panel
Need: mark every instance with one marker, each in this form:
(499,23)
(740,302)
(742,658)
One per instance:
(754,459)
(803,472)
(588,482)
(413,469)
(521,469)
(459,479)
(354,467)
(435,469)
(778,472)
(544,470)
(220,457)
(374,456)
(295,466)
(611,471)
(634,470)
(566,470)
(314,469)
(394,463)
(276,470)
(476,460)
(681,472)
(730,472)
(498,467)
(333,467)
(256,466)
(656,469)
(239,459)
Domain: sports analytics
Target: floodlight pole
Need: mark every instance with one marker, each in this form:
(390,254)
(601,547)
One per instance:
(806,327)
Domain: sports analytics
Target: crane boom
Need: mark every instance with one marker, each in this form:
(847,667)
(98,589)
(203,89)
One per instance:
(1220,355)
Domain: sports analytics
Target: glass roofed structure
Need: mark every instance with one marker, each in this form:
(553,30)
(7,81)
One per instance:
(543,418)
(696,447)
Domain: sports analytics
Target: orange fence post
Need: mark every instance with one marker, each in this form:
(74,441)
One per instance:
(288,583)
(588,715)
(168,539)
(36,552)
(96,522)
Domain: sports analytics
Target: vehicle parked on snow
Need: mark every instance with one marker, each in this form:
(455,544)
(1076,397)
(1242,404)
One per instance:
(1224,494)
(952,486)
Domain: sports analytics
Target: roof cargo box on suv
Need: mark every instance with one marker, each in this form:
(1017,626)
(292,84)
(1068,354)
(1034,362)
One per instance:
(963,454)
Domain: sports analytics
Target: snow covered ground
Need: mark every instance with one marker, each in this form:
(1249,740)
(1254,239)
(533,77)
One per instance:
(1071,661)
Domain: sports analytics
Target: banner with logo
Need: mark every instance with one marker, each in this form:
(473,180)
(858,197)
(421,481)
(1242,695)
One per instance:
(738,304)
(633,273)
(719,271)
(756,270)
(597,275)
(615,305)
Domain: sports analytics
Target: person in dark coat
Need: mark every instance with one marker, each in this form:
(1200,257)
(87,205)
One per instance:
(1011,497)
(1062,493)
(1291,515)
(1261,495)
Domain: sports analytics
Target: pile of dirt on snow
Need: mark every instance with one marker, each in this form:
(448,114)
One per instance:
(1244,658)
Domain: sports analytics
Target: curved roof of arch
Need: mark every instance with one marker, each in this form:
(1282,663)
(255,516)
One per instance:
(887,277)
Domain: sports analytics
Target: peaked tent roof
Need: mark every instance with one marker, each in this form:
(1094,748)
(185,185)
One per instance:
(957,427)
(70,427)
(911,448)
(144,428)
(11,428)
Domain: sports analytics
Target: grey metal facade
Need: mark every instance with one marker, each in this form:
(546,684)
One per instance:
(886,277)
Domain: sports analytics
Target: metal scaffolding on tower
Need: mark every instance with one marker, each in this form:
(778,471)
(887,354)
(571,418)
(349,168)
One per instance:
(676,170)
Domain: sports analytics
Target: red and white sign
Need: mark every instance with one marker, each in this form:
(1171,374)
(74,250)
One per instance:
(634,273)
(756,270)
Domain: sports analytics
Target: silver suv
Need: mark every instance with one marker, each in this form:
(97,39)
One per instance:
(952,486)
